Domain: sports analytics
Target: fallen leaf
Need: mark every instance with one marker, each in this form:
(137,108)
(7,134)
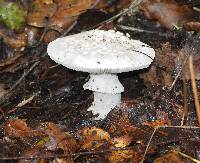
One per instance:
(191,48)
(119,123)
(192,26)
(51,35)
(171,157)
(59,139)
(67,13)
(157,123)
(17,128)
(122,141)
(167,12)
(120,156)
(93,138)
(14,40)
(2,90)
(32,152)
(40,11)
(161,72)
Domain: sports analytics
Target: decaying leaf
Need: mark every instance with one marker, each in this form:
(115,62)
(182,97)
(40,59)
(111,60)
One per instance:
(191,48)
(161,72)
(192,26)
(32,152)
(122,141)
(2,90)
(171,157)
(93,138)
(59,139)
(52,34)
(120,123)
(167,12)
(17,128)
(14,40)
(157,123)
(40,11)
(120,156)
(12,15)
(65,16)
(68,11)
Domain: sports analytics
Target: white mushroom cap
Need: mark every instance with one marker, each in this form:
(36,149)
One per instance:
(99,51)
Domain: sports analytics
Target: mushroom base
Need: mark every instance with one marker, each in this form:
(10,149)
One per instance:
(104,103)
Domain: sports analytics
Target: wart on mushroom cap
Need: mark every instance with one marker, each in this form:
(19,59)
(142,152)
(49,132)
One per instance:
(103,54)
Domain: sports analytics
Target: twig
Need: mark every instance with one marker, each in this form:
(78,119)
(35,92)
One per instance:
(132,7)
(142,30)
(196,9)
(179,72)
(8,94)
(185,108)
(149,142)
(157,127)
(182,127)
(187,156)
(3,114)
(66,155)
(24,75)
(24,102)
(194,88)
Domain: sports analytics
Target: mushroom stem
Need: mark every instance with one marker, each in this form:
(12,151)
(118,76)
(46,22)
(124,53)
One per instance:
(103,103)
(107,93)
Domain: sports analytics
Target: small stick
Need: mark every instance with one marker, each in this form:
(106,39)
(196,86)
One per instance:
(194,88)
(149,142)
(186,156)
(185,108)
(3,114)
(133,6)
(8,94)
(133,29)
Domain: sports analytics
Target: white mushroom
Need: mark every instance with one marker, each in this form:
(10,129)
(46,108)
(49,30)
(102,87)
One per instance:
(103,54)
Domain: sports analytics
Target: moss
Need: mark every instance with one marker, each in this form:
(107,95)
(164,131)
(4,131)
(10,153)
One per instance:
(13,16)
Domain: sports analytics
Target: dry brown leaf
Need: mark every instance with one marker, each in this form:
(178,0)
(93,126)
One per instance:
(192,48)
(122,141)
(14,40)
(59,139)
(192,26)
(10,64)
(93,138)
(40,11)
(161,72)
(17,128)
(32,152)
(157,123)
(120,124)
(51,35)
(167,12)
(2,90)
(13,64)
(67,13)
(171,157)
(120,156)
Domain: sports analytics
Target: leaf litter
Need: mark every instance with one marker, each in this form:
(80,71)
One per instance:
(55,125)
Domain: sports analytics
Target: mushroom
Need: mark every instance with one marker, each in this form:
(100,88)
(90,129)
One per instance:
(103,54)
